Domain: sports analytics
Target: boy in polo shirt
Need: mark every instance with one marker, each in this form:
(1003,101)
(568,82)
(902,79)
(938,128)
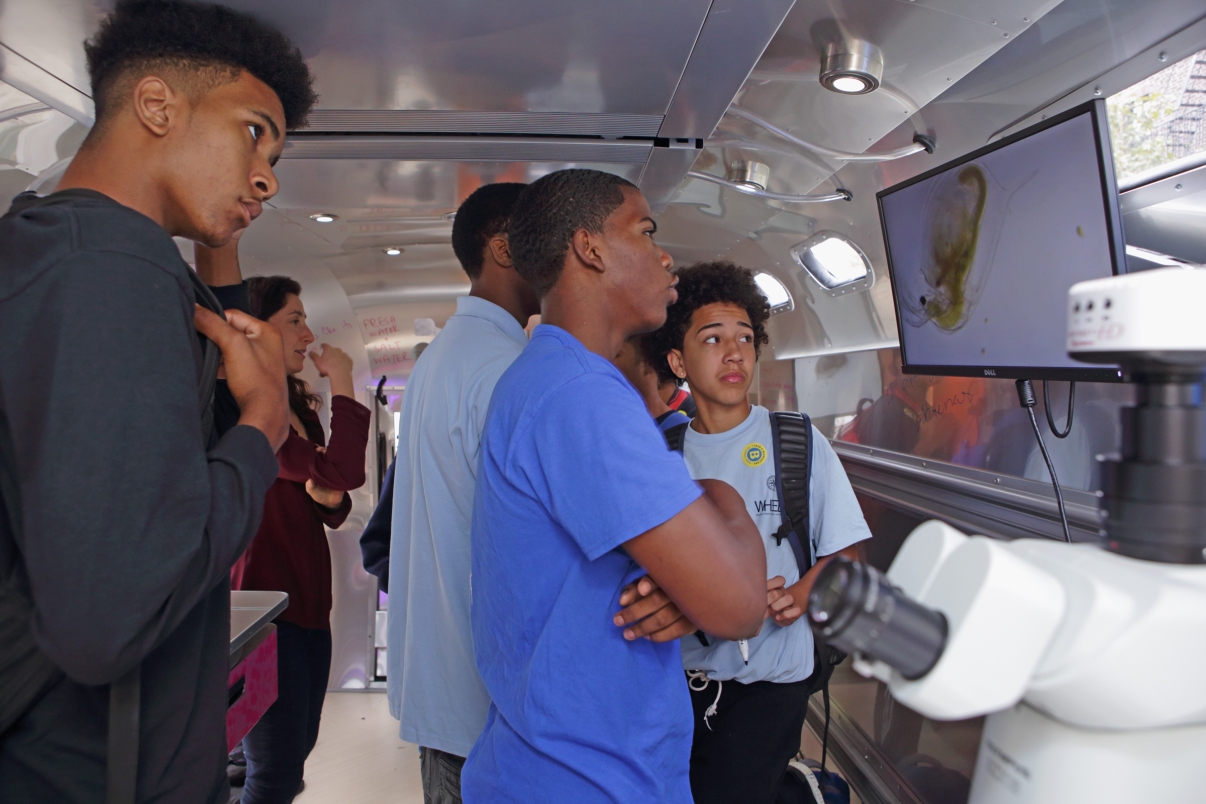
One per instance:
(569,509)
(434,688)
(748,715)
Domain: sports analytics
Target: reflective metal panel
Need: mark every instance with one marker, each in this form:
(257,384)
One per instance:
(416,121)
(540,55)
(407,188)
(706,222)
(19,72)
(465,149)
(621,57)
(733,37)
(1174,227)
(926,48)
(665,169)
(354,594)
(41,51)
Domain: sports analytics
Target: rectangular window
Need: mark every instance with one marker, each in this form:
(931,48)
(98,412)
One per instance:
(1160,119)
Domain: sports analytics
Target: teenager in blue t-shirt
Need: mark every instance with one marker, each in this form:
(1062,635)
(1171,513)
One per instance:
(749,714)
(571,509)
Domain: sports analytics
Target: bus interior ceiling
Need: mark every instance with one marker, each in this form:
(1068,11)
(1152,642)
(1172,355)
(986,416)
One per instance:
(422,102)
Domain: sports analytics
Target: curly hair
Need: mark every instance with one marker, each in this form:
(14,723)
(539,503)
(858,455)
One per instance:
(485,213)
(211,44)
(699,285)
(548,214)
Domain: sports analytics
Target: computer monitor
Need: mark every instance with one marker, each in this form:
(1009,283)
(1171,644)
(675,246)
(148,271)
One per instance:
(982,251)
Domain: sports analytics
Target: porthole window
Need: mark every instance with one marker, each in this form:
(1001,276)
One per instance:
(834,262)
(775,292)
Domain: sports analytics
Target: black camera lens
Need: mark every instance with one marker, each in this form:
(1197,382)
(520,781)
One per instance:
(854,608)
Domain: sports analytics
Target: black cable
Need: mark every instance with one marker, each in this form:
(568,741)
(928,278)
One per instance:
(1071,406)
(1027,400)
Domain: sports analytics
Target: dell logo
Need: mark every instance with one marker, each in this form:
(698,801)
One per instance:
(990,373)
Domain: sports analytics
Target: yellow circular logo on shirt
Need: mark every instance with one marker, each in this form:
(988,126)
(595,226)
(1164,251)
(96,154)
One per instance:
(753,454)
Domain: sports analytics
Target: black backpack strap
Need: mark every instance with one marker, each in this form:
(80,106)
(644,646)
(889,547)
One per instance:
(791,433)
(675,436)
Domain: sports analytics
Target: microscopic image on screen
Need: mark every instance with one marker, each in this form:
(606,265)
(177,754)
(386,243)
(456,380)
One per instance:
(983,254)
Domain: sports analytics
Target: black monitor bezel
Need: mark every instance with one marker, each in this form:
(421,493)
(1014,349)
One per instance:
(1096,108)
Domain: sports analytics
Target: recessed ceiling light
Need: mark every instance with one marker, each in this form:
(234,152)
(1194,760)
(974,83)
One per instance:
(392,251)
(324,217)
(851,84)
(853,67)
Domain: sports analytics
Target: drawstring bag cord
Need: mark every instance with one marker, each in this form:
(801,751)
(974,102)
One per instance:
(701,678)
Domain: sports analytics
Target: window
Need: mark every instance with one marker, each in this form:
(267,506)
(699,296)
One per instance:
(775,293)
(834,262)
(1160,119)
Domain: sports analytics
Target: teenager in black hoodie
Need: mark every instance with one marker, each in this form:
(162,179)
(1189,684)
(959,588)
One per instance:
(122,520)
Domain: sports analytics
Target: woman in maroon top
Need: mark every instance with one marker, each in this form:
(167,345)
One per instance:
(290,551)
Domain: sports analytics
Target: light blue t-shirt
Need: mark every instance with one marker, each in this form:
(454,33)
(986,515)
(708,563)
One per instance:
(433,684)
(744,458)
(572,466)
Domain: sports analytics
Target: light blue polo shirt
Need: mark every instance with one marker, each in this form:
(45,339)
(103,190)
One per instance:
(434,688)
(744,458)
(572,466)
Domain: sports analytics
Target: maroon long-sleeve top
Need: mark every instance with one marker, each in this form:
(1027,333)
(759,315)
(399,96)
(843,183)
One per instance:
(289,552)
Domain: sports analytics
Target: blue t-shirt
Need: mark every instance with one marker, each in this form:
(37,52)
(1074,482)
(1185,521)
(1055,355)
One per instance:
(578,714)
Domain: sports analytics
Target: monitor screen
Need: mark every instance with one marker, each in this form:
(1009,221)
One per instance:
(982,251)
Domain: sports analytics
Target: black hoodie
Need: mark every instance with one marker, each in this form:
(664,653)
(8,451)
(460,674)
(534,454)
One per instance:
(130,525)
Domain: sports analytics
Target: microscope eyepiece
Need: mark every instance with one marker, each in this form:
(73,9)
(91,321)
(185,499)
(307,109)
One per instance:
(854,608)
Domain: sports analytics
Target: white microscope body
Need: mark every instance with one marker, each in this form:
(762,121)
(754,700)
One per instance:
(1090,663)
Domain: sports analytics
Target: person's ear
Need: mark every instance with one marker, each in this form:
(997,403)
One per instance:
(588,249)
(156,105)
(675,358)
(500,250)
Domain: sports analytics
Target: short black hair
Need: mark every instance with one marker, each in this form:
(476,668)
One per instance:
(698,286)
(550,211)
(485,213)
(158,34)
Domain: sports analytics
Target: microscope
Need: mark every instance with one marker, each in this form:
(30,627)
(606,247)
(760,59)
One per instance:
(1088,659)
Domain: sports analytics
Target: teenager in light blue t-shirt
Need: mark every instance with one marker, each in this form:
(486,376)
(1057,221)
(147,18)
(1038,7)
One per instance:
(571,509)
(749,713)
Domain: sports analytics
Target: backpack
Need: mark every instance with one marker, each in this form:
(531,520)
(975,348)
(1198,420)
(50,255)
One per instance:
(791,434)
(26,673)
